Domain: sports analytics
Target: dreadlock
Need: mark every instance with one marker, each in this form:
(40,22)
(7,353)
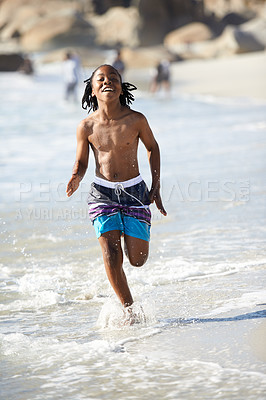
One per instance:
(90,102)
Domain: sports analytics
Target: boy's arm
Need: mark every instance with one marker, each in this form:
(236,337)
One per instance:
(146,136)
(82,157)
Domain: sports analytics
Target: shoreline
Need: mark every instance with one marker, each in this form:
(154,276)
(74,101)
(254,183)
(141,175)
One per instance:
(239,76)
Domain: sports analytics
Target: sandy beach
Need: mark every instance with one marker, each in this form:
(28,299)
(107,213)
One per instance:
(236,76)
(240,76)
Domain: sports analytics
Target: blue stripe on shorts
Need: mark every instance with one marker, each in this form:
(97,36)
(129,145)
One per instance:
(128,225)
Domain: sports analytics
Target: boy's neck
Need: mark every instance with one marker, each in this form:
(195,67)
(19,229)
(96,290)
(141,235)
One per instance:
(110,111)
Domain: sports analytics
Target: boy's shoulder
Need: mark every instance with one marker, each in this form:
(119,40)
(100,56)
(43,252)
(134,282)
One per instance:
(84,128)
(137,115)
(87,123)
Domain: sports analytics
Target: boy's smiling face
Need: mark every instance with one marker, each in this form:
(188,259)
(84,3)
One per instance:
(106,83)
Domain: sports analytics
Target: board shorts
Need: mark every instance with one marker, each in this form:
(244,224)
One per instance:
(122,206)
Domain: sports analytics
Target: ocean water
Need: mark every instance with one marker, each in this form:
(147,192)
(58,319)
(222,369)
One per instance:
(62,332)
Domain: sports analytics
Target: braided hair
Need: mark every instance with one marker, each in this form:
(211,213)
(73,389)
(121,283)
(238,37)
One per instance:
(90,102)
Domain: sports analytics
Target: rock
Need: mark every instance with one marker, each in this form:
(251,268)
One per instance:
(224,45)
(145,57)
(35,25)
(23,18)
(102,6)
(160,17)
(10,62)
(194,32)
(19,18)
(64,28)
(8,10)
(220,8)
(234,18)
(251,36)
(118,26)
(11,10)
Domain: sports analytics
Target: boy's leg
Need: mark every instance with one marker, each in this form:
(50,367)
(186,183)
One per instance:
(113,259)
(137,236)
(137,250)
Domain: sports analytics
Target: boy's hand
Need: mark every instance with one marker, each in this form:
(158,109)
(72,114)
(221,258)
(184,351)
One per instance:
(156,197)
(72,185)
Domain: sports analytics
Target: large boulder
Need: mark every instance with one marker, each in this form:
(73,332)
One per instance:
(8,10)
(248,37)
(64,28)
(10,62)
(220,8)
(22,20)
(118,26)
(224,45)
(160,17)
(234,18)
(145,57)
(251,36)
(194,32)
(102,6)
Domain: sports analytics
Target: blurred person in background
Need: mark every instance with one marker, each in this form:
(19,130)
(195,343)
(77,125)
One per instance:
(161,78)
(71,75)
(119,64)
(27,66)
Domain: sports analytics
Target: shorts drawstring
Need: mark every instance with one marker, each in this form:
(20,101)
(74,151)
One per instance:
(119,188)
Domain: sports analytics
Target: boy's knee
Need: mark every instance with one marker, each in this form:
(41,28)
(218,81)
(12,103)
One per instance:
(139,263)
(138,260)
(136,250)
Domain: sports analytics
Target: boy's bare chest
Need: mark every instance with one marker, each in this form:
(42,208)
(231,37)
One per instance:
(113,136)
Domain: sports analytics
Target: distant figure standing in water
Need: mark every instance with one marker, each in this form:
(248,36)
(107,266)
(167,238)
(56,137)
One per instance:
(119,64)
(71,76)
(162,77)
(119,198)
(27,66)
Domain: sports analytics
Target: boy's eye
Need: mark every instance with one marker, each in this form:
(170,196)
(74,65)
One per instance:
(113,79)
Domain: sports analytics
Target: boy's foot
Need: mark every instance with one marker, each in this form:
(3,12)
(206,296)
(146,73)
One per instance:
(134,316)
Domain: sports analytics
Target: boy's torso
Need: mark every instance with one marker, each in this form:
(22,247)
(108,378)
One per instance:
(115,145)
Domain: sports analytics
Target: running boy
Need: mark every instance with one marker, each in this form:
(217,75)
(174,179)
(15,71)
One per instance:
(119,199)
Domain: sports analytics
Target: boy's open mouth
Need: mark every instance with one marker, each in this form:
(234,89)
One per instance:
(108,89)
